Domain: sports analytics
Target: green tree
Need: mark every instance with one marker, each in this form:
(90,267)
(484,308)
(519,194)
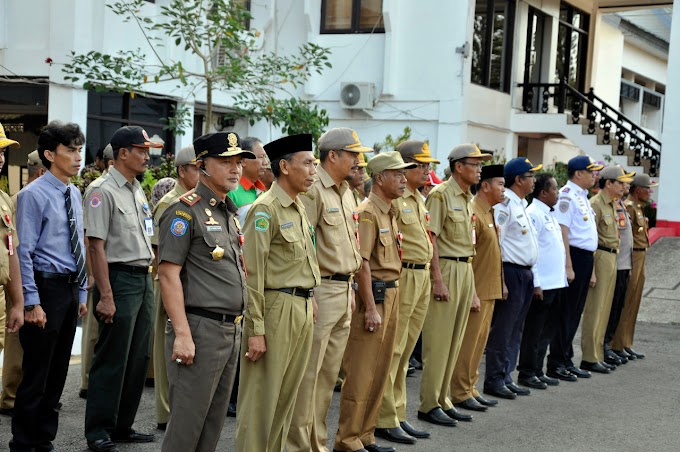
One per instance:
(217,33)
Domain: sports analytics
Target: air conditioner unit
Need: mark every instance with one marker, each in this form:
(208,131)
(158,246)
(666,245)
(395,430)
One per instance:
(357,96)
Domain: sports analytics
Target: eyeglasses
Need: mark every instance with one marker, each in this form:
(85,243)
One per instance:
(479,166)
(528,176)
(421,166)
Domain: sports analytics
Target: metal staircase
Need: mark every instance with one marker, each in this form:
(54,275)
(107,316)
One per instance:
(596,117)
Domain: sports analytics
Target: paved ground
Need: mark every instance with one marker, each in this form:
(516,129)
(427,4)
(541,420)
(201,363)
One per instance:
(633,409)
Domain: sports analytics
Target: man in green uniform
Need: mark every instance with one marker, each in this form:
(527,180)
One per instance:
(202,276)
(453,290)
(601,292)
(187,178)
(283,271)
(374,323)
(331,211)
(119,225)
(250,186)
(414,292)
(622,342)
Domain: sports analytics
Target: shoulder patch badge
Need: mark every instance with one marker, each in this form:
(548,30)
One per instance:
(564,206)
(190,198)
(95,199)
(502,217)
(261,223)
(566,189)
(179,227)
(505,201)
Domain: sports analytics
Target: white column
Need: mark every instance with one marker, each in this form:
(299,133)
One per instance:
(68,104)
(669,207)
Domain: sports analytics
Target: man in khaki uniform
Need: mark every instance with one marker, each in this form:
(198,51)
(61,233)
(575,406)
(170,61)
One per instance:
(599,300)
(622,342)
(14,353)
(283,271)
(90,324)
(332,213)
(453,288)
(414,292)
(187,178)
(202,276)
(356,182)
(489,288)
(374,322)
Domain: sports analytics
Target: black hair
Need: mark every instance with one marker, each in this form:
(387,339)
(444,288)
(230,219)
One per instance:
(602,182)
(276,164)
(510,181)
(56,133)
(541,183)
(571,173)
(100,154)
(247,143)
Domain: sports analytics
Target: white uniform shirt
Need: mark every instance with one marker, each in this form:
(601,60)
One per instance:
(518,236)
(550,269)
(573,211)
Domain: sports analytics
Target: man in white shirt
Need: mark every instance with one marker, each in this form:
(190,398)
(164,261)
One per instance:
(550,281)
(519,250)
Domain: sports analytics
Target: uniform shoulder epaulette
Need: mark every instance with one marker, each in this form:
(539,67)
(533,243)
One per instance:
(566,189)
(308,194)
(629,203)
(505,201)
(190,198)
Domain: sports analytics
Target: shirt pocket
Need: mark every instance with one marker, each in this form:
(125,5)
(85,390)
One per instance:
(127,217)
(457,220)
(409,218)
(640,220)
(293,247)
(387,252)
(333,227)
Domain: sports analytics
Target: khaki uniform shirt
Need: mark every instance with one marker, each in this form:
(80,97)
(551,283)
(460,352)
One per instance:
(167,199)
(487,263)
(331,211)
(451,219)
(379,238)
(8,233)
(117,211)
(639,223)
(279,251)
(413,220)
(201,233)
(605,215)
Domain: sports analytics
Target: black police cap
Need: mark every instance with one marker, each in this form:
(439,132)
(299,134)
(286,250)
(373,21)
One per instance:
(220,144)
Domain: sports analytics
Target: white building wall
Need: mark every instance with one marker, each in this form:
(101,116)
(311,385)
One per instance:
(607,61)
(644,63)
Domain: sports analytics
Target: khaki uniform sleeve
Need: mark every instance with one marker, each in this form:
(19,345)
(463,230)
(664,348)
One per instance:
(312,205)
(436,205)
(368,232)
(159,209)
(99,207)
(175,231)
(258,229)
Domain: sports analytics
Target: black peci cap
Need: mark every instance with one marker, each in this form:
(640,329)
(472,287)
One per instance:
(288,145)
(491,171)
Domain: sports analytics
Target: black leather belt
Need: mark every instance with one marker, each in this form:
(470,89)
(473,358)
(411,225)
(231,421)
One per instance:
(639,249)
(298,292)
(521,267)
(574,249)
(224,318)
(459,259)
(66,277)
(609,250)
(391,284)
(413,266)
(338,277)
(129,268)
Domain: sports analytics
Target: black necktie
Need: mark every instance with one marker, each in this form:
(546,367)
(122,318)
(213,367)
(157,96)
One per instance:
(76,251)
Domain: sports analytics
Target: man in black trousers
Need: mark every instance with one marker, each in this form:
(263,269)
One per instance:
(52,260)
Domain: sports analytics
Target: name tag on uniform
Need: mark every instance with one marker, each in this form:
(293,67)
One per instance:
(148,225)
(217,228)
(384,230)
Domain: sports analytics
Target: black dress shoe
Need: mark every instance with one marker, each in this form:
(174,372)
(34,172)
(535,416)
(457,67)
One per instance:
(395,434)
(486,402)
(579,372)
(102,445)
(83,394)
(457,415)
(411,370)
(375,448)
(358,450)
(501,391)
(550,381)
(415,363)
(517,390)
(562,374)
(471,404)
(608,366)
(338,387)
(58,406)
(132,437)
(7,411)
(231,410)
(408,428)
(438,417)
(632,352)
(162,426)
(594,367)
(532,382)
(612,358)
(623,354)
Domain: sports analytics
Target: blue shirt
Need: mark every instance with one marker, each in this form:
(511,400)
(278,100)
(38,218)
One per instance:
(42,224)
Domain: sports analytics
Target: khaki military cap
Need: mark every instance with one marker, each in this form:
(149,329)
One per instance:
(643,180)
(616,172)
(468,150)
(186,156)
(388,161)
(108,152)
(416,150)
(341,139)
(34,159)
(362,161)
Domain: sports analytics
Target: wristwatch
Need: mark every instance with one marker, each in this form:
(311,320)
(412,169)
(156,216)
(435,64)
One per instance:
(31,307)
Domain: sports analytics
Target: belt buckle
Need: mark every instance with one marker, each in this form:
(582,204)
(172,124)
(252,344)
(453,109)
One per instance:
(238,319)
(396,284)
(427,266)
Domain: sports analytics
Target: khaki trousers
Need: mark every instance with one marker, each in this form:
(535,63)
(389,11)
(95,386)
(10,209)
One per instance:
(598,307)
(308,431)
(3,317)
(466,370)
(87,342)
(625,331)
(199,393)
(414,298)
(367,368)
(11,365)
(443,333)
(160,372)
(268,387)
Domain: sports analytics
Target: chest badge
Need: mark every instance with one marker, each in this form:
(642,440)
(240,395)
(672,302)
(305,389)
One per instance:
(208,212)
(585,218)
(211,221)
(217,253)
(213,202)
